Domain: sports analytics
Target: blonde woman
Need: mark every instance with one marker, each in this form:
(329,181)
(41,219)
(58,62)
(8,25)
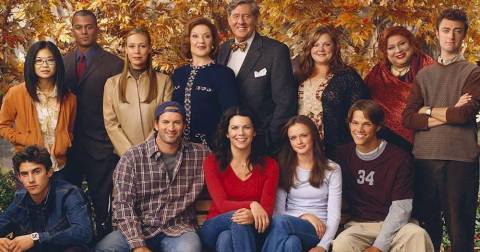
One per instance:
(130,98)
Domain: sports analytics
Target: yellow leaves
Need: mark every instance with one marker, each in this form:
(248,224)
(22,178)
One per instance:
(359,21)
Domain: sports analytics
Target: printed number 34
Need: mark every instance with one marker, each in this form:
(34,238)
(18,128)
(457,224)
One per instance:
(362,178)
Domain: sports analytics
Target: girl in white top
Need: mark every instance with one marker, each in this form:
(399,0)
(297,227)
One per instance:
(307,212)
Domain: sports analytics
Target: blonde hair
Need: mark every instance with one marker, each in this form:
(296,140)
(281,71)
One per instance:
(152,75)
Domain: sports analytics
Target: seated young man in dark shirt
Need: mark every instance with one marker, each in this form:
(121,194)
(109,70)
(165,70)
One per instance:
(377,187)
(47,214)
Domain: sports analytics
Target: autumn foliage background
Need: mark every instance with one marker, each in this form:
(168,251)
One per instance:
(360,22)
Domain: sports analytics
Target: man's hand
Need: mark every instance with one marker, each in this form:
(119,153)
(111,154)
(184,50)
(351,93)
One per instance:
(22,243)
(262,220)
(464,99)
(372,249)
(423,110)
(243,216)
(319,226)
(5,245)
(142,249)
(317,249)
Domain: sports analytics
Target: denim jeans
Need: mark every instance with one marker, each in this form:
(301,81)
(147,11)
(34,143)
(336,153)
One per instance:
(187,242)
(223,235)
(290,234)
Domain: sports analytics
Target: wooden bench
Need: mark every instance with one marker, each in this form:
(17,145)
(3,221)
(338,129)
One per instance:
(202,204)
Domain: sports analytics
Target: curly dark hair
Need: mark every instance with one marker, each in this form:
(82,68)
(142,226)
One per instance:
(33,154)
(221,144)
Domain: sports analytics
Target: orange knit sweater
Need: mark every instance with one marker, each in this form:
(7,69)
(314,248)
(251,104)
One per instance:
(20,126)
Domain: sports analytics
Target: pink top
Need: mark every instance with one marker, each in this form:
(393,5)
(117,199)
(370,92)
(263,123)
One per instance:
(230,193)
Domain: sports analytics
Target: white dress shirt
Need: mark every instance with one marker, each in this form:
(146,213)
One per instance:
(236,58)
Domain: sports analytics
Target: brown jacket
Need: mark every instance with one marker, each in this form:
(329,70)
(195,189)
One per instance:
(131,123)
(20,126)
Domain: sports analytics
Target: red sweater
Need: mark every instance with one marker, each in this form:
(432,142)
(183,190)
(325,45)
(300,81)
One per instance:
(230,193)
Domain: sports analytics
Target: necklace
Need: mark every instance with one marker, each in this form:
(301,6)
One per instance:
(241,169)
(399,71)
(321,81)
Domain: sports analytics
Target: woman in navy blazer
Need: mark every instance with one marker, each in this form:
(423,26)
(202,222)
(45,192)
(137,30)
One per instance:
(204,88)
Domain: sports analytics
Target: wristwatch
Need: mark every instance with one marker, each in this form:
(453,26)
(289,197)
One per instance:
(35,238)
(428,111)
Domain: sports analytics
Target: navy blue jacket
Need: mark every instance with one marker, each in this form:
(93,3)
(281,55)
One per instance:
(62,220)
(213,91)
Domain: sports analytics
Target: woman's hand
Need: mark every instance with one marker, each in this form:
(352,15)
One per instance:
(319,226)
(243,216)
(317,249)
(262,220)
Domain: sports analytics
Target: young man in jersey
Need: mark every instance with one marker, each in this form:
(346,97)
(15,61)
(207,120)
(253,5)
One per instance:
(377,187)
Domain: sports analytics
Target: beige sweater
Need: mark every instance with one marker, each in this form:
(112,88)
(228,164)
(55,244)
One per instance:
(131,123)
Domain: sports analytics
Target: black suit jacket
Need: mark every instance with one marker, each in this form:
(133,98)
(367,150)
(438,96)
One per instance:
(89,131)
(272,96)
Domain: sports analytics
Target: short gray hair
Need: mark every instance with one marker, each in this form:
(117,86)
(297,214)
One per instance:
(253,6)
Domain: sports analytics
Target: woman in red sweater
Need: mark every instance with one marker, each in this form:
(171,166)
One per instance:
(242,182)
(390,80)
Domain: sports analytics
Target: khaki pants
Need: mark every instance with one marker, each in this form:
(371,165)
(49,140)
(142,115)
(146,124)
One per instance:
(358,236)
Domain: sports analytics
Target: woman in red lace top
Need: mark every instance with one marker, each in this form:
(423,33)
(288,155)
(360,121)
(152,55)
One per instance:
(389,81)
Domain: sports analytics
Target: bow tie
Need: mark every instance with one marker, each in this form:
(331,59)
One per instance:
(242,46)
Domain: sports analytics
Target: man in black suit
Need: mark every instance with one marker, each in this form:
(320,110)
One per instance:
(263,71)
(91,156)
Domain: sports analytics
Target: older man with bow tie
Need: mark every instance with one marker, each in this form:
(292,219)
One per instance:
(263,71)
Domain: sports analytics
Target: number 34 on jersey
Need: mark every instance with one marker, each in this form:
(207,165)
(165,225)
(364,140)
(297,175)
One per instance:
(363,177)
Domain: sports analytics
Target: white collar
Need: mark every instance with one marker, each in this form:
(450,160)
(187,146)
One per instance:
(249,41)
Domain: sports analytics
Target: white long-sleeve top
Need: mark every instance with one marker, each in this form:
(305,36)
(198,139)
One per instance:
(324,202)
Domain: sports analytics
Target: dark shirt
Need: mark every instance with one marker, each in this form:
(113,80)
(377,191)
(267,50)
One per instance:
(369,187)
(206,92)
(62,219)
(342,91)
(89,55)
(89,131)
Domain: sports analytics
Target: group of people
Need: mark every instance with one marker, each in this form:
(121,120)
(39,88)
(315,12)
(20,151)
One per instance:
(283,152)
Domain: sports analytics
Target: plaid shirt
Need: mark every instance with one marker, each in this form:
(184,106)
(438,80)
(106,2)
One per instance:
(146,201)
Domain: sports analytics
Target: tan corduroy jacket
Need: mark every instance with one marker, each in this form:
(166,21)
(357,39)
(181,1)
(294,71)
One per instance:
(20,126)
(131,123)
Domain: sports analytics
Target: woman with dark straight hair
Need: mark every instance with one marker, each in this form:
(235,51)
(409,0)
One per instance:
(241,181)
(307,212)
(40,111)
(327,87)
(130,98)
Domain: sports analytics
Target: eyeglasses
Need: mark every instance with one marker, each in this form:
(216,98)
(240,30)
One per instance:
(49,61)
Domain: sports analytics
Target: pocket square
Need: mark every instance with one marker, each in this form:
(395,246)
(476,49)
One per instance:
(260,73)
